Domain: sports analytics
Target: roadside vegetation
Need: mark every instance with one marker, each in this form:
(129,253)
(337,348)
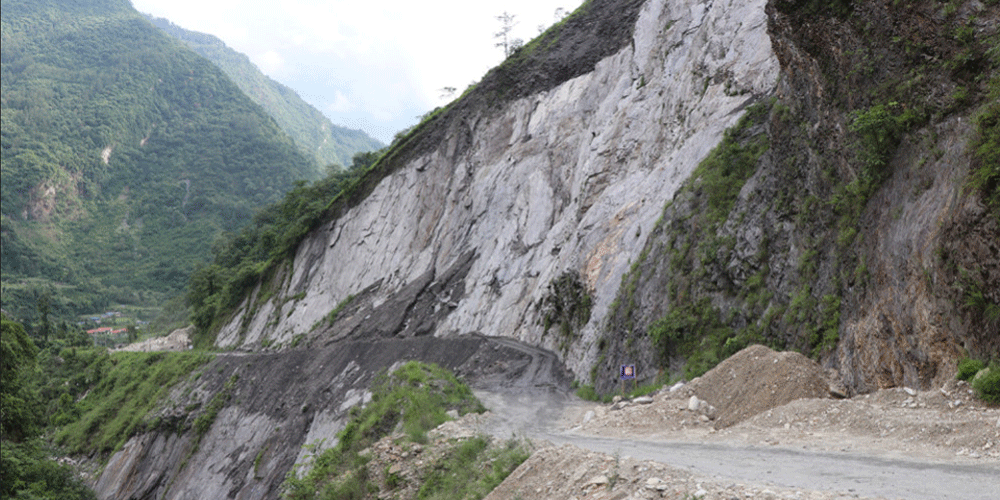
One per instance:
(985,380)
(122,389)
(409,402)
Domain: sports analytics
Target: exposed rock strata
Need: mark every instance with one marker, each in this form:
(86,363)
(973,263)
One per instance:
(281,407)
(573,177)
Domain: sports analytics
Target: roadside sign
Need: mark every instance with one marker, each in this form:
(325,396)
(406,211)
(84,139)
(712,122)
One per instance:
(627,372)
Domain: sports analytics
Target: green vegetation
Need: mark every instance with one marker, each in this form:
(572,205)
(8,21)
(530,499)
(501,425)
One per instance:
(242,259)
(968,368)
(123,156)
(721,175)
(979,303)
(694,328)
(27,469)
(415,397)
(985,380)
(315,135)
(122,389)
(566,304)
(205,420)
(589,393)
(472,470)
(986,383)
(985,147)
(335,313)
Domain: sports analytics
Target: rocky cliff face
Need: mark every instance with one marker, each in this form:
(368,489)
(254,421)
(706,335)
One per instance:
(468,235)
(839,241)
(473,230)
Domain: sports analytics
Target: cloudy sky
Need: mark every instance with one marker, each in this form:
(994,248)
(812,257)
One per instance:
(373,65)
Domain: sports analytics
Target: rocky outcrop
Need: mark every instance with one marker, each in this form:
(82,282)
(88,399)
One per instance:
(237,428)
(839,248)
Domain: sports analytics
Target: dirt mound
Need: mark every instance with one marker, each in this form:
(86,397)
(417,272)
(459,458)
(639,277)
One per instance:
(757,379)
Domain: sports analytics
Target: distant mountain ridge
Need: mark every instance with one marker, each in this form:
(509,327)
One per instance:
(124,156)
(313,132)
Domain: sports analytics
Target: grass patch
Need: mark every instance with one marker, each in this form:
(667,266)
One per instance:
(986,383)
(415,397)
(721,175)
(472,470)
(126,387)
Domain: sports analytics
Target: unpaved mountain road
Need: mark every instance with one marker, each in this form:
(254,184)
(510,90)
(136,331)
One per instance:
(542,414)
(896,443)
(862,475)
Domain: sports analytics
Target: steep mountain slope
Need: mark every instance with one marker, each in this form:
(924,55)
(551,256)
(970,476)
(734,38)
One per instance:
(124,156)
(315,135)
(842,243)
(529,178)
(522,206)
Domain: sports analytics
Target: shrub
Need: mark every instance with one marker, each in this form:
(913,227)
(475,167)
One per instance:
(987,384)
(414,397)
(125,387)
(968,368)
(472,469)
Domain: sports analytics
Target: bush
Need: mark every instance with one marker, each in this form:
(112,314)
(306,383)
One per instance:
(472,470)
(968,368)
(415,397)
(987,384)
(123,389)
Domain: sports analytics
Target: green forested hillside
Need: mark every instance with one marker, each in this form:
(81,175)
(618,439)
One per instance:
(313,132)
(124,155)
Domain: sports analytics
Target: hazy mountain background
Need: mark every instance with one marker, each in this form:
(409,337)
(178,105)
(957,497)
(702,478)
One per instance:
(313,132)
(125,155)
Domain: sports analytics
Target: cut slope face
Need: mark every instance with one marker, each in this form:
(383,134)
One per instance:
(568,179)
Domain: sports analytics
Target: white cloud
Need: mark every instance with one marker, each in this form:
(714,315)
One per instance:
(270,62)
(378,64)
(340,104)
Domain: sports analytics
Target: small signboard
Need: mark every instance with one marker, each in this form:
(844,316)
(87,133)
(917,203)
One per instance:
(628,372)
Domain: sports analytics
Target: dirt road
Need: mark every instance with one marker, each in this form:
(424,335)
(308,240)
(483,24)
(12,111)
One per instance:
(928,445)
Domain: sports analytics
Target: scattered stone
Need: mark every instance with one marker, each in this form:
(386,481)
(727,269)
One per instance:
(598,480)
(587,417)
(643,400)
(909,391)
(619,405)
(452,414)
(693,403)
(676,387)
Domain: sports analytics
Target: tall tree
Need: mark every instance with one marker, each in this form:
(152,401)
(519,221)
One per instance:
(508,43)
